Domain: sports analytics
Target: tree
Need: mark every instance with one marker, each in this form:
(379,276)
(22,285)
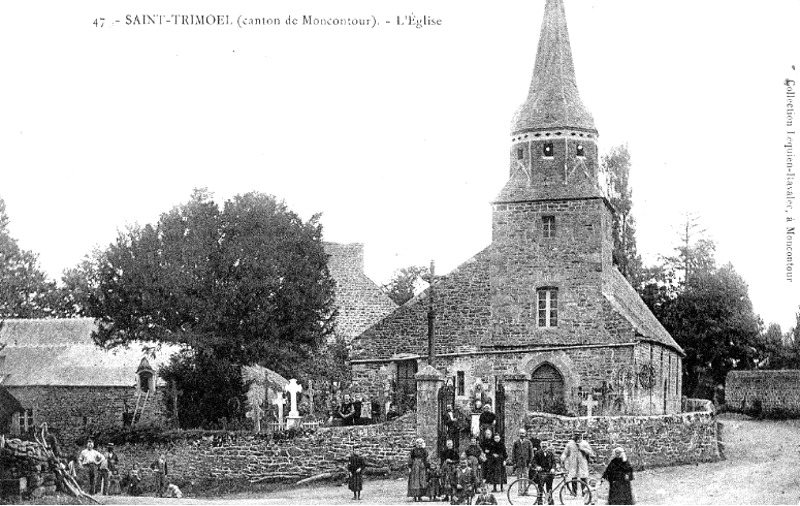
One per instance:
(616,166)
(25,290)
(406,283)
(246,284)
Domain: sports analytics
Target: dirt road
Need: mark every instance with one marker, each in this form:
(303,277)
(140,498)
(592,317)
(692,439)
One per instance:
(763,460)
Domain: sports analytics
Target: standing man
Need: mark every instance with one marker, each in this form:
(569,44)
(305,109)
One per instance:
(544,465)
(90,459)
(160,467)
(521,455)
(451,426)
(575,459)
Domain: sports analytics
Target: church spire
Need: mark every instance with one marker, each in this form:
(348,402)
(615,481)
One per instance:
(553,100)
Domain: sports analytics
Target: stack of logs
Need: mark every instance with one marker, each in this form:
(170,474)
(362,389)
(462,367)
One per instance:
(27,459)
(37,464)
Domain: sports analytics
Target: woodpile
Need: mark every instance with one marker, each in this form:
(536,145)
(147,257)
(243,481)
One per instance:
(35,462)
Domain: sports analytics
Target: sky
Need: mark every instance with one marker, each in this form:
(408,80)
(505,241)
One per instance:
(398,135)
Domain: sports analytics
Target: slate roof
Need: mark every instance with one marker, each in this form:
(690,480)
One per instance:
(60,352)
(553,99)
(628,304)
(8,404)
(360,300)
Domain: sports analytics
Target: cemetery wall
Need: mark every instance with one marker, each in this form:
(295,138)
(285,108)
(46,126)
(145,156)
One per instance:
(763,391)
(196,458)
(649,441)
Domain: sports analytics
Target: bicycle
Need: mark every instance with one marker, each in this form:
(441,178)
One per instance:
(524,491)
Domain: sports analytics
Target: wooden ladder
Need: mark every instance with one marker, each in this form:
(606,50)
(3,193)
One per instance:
(139,410)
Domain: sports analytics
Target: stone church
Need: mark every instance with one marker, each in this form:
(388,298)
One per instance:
(543,302)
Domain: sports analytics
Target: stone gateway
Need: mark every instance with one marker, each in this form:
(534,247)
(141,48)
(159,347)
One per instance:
(541,312)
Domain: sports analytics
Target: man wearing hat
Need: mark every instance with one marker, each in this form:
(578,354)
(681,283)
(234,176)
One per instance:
(575,458)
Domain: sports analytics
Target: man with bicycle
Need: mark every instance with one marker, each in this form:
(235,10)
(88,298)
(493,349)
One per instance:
(544,465)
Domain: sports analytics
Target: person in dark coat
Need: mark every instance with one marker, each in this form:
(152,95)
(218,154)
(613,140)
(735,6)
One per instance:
(464,482)
(496,456)
(418,471)
(355,473)
(487,419)
(449,459)
(476,458)
(436,482)
(347,411)
(619,474)
(544,465)
(392,413)
(521,455)
(450,422)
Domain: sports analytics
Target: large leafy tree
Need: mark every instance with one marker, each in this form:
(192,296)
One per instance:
(616,166)
(245,284)
(25,290)
(406,283)
(708,312)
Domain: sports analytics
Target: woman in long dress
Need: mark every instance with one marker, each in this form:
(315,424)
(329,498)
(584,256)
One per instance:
(496,456)
(355,474)
(449,458)
(619,474)
(418,471)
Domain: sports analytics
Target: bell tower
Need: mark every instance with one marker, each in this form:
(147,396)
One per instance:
(551,232)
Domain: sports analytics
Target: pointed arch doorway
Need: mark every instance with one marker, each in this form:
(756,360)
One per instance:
(546,392)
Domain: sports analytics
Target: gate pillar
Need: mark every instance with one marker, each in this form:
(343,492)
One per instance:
(429,381)
(516,402)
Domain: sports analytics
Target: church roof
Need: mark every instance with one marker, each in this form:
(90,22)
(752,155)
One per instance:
(8,404)
(61,352)
(553,100)
(628,304)
(360,300)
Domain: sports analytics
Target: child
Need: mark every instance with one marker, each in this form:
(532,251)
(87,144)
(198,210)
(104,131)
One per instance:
(355,473)
(485,497)
(434,482)
(133,481)
(174,492)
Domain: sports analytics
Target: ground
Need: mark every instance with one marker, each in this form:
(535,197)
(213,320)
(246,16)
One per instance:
(760,468)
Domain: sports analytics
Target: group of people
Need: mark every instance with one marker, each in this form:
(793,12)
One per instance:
(102,472)
(356,411)
(459,476)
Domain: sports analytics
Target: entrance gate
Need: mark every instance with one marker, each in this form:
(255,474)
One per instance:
(447,397)
(546,393)
(500,408)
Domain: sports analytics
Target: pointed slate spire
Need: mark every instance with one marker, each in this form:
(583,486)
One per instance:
(553,100)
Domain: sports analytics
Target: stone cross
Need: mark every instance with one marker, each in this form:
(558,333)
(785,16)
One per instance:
(255,414)
(590,403)
(279,401)
(293,388)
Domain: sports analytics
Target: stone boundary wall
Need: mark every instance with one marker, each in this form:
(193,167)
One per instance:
(775,390)
(649,441)
(240,457)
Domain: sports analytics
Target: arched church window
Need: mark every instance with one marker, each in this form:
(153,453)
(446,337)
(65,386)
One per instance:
(547,149)
(546,392)
(579,150)
(547,310)
(519,153)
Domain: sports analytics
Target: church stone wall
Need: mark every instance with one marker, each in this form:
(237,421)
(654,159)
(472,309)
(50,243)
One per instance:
(523,260)
(773,390)
(610,373)
(649,441)
(67,409)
